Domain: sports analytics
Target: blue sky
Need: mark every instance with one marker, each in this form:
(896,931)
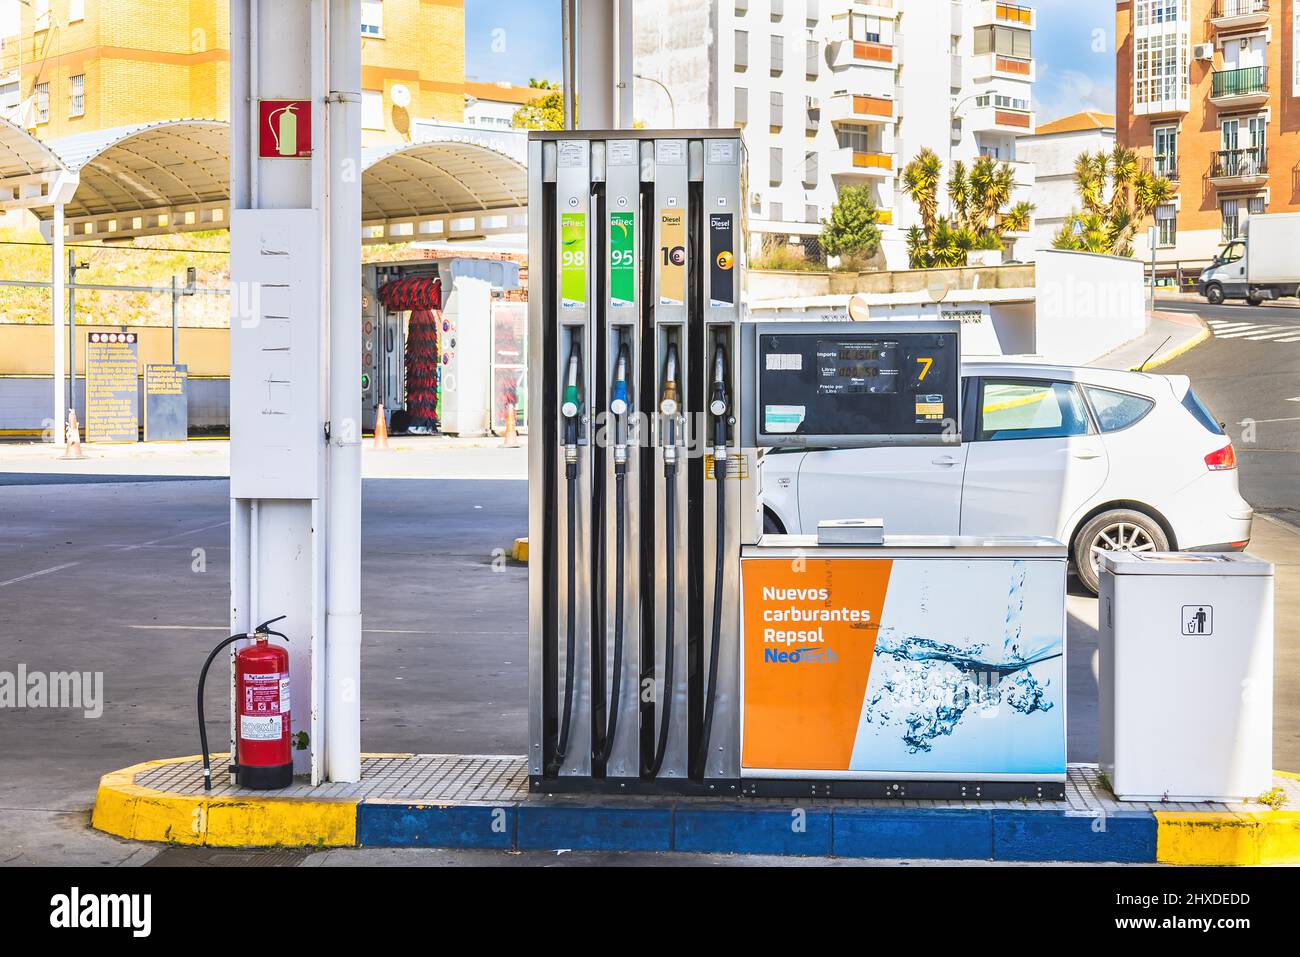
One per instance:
(514,40)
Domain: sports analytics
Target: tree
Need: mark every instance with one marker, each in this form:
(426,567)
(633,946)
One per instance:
(1118,194)
(852,232)
(981,210)
(544,113)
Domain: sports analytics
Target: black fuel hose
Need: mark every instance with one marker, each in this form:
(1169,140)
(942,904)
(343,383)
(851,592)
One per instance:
(670,599)
(616,691)
(263,629)
(715,645)
(571,641)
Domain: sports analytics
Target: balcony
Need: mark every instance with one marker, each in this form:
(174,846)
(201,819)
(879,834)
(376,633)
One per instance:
(1247,86)
(995,119)
(1007,14)
(1165,166)
(849,163)
(991,65)
(1235,14)
(857,108)
(1248,167)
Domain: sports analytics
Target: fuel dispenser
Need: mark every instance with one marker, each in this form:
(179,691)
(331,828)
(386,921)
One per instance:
(674,646)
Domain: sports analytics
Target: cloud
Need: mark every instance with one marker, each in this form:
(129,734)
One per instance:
(1063,92)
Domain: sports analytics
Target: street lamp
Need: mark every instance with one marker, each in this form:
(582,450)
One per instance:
(667,92)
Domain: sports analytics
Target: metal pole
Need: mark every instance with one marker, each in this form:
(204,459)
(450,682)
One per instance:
(56,315)
(568,17)
(343,458)
(72,329)
(176,306)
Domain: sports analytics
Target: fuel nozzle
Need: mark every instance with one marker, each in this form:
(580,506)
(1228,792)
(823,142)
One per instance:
(668,406)
(618,405)
(569,408)
(719,409)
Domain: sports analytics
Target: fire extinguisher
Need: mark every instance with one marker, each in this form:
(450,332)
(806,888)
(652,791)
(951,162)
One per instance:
(262,759)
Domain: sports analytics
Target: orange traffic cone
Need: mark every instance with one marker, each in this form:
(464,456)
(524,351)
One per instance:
(72,449)
(381,429)
(512,435)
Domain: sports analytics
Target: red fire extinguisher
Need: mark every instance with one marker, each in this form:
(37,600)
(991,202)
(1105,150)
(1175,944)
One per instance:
(262,759)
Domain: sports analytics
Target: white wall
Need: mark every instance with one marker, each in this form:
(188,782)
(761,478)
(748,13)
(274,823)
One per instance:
(1053,156)
(1088,305)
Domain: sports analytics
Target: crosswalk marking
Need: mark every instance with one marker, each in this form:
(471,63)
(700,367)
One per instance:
(1255,331)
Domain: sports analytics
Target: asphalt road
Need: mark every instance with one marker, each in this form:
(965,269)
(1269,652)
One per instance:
(1250,379)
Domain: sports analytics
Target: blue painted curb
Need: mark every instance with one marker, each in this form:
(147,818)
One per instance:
(936,834)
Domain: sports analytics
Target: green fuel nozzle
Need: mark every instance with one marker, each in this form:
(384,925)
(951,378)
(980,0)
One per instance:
(569,408)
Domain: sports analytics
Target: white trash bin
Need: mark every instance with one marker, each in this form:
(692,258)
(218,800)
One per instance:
(1186,675)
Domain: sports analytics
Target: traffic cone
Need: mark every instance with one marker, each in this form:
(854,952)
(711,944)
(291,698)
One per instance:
(512,436)
(72,448)
(381,429)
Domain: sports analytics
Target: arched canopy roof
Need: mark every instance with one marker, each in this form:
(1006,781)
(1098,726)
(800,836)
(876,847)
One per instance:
(174,176)
(458,187)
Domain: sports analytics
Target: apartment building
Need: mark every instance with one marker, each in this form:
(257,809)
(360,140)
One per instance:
(1208,93)
(72,66)
(833,93)
(1052,151)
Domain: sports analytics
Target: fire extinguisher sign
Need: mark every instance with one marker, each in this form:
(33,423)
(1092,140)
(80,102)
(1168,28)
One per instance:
(284,129)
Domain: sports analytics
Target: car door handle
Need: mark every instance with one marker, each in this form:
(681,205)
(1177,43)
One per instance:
(1087,454)
(947,461)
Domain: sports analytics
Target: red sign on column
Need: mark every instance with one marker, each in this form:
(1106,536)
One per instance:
(284,129)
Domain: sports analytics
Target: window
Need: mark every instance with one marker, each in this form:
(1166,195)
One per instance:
(372,18)
(778,55)
(1030,409)
(774,174)
(1165,141)
(1160,69)
(810,174)
(853,138)
(1167,225)
(1228,212)
(1006,41)
(742,49)
(42,102)
(812,59)
(776,211)
(777,109)
(1160,11)
(865,28)
(778,10)
(742,106)
(372,109)
(1117,410)
(1234,252)
(77,95)
(76,10)
(1002,102)
(810,213)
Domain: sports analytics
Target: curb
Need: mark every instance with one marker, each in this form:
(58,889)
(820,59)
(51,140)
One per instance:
(127,810)
(1179,350)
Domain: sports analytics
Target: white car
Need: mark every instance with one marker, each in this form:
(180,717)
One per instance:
(1096,458)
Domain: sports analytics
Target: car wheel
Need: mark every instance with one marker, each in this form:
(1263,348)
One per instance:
(1214,295)
(1254,300)
(770,524)
(1119,530)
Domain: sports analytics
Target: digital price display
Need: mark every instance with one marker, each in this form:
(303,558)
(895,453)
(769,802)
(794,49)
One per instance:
(827,384)
(857,368)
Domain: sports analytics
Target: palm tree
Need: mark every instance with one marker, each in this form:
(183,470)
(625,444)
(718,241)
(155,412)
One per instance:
(1118,193)
(978,198)
(921,182)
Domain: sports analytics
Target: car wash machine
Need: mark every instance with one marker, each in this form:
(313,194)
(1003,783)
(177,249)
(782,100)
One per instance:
(673,646)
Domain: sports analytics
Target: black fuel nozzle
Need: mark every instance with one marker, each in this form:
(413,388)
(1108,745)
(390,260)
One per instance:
(719,408)
(570,406)
(618,405)
(668,407)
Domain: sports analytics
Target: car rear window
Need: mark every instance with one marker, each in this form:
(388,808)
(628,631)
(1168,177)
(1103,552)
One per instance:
(1193,404)
(1117,410)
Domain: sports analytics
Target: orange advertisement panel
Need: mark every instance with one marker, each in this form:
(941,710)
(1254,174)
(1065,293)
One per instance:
(810,633)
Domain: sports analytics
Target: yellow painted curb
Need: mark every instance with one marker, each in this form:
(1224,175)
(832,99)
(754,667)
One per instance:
(1239,837)
(1172,354)
(137,813)
(519,552)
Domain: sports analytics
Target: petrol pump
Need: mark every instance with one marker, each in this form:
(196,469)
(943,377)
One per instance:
(672,644)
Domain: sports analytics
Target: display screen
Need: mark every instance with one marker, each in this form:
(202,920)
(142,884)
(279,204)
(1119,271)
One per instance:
(857,368)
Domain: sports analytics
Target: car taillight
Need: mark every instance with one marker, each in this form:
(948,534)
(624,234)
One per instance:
(1222,460)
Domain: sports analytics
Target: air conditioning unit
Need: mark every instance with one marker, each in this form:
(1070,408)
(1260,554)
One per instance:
(1203,52)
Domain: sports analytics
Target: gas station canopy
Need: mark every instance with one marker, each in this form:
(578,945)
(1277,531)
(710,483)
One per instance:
(174,176)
